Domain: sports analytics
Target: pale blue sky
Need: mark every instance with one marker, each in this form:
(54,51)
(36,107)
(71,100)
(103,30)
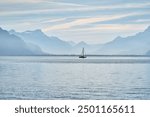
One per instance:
(92,21)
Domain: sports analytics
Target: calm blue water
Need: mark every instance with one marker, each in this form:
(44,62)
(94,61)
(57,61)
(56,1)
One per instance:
(73,78)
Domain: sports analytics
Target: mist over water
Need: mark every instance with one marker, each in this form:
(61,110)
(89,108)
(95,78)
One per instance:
(73,78)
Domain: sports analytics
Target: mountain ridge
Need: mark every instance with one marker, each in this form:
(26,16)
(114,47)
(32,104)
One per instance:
(137,44)
(11,44)
(52,44)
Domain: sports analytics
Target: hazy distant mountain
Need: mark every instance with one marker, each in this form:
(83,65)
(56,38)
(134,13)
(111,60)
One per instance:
(51,45)
(78,47)
(137,44)
(148,53)
(12,45)
(71,43)
(81,44)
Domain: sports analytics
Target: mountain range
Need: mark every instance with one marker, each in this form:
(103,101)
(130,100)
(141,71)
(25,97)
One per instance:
(37,43)
(138,44)
(11,44)
(51,45)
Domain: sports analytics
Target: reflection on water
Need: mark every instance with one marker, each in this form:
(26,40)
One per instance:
(73,78)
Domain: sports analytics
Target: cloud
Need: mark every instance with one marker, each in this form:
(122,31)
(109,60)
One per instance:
(20,1)
(142,21)
(25,7)
(53,20)
(114,27)
(85,21)
(49,6)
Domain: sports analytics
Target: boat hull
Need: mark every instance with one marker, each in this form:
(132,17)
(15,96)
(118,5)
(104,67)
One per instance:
(82,56)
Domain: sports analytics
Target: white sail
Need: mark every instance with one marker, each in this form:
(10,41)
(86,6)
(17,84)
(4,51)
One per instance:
(82,54)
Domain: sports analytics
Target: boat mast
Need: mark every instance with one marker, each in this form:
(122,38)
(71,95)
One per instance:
(82,51)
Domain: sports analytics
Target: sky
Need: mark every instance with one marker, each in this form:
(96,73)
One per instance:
(92,21)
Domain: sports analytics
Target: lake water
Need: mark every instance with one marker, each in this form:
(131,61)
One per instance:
(49,77)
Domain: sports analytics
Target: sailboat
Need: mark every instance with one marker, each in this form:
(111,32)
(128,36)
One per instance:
(82,54)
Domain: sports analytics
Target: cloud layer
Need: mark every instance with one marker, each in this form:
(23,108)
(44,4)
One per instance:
(75,19)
